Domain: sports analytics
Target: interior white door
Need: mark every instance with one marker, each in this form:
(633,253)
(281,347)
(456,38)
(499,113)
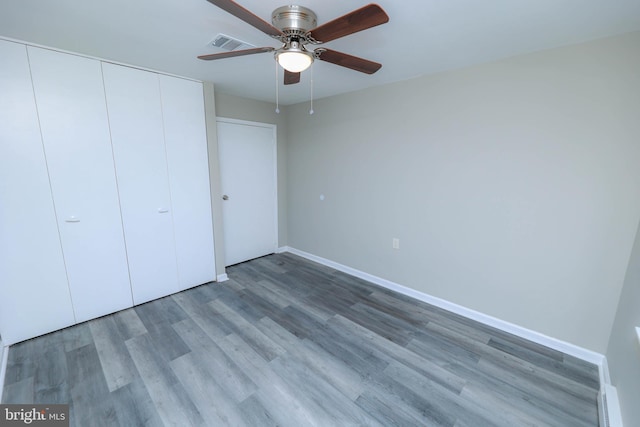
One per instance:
(34,294)
(247,154)
(135,118)
(75,132)
(187,160)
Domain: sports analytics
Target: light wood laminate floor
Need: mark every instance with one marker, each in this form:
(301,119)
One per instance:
(292,343)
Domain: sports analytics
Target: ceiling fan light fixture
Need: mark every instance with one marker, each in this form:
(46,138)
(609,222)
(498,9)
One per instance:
(294,60)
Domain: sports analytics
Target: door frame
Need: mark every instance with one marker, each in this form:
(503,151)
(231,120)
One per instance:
(274,129)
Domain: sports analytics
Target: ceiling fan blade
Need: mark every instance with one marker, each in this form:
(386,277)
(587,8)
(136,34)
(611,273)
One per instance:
(358,20)
(291,78)
(348,61)
(240,12)
(236,53)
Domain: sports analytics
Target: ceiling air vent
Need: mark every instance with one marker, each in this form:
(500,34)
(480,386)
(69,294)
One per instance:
(226,42)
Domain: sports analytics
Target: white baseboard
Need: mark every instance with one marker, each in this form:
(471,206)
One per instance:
(556,344)
(222,277)
(611,415)
(4,356)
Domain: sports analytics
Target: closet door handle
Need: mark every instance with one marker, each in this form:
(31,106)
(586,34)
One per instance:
(72,219)
(163,210)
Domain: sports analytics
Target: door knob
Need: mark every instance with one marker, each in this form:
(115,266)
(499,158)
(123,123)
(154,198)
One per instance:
(225,197)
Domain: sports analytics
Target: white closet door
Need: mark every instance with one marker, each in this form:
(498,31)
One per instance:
(186,143)
(34,295)
(135,118)
(75,132)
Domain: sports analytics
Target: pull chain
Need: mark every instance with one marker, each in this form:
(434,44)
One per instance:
(311,109)
(277,97)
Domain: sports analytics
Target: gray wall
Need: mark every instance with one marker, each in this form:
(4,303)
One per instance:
(234,107)
(623,354)
(514,186)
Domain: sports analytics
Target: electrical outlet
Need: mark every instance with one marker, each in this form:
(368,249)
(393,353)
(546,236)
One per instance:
(395,243)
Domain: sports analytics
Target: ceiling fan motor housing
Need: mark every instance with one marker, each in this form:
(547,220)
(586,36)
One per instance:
(294,20)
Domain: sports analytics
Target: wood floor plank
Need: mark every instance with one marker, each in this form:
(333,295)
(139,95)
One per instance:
(525,368)
(502,407)
(267,293)
(302,303)
(129,324)
(204,315)
(260,343)
(134,405)
(290,342)
(547,360)
(233,298)
(328,405)
(167,342)
(273,394)
(541,398)
(388,410)
(208,354)
(117,366)
(20,391)
(272,264)
(299,322)
(191,305)
(74,337)
(332,370)
(426,407)
(21,361)
(88,388)
(255,414)
(215,407)
(50,381)
(428,314)
(392,328)
(520,394)
(163,310)
(169,397)
(388,351)
(444,401)
(349,348)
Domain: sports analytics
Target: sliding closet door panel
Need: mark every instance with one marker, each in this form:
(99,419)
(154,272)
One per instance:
(186,143)
(135,118)
(75,132)
(34,295)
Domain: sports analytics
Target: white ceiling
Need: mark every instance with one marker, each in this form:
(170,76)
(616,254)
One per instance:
(422,36)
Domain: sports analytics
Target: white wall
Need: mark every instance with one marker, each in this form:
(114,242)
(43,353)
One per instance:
(514,186)
(235,107)
(623,353)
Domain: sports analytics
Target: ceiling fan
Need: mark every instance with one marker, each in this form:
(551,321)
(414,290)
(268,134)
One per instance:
(295,27)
